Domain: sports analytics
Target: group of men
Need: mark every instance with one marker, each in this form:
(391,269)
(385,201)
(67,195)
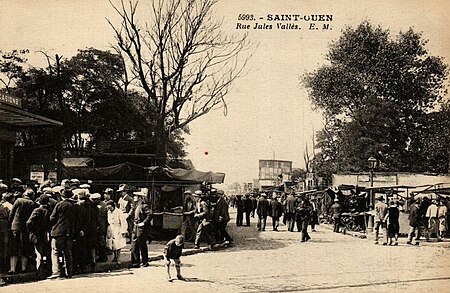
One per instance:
(63,227)
(205,217)
(296,210)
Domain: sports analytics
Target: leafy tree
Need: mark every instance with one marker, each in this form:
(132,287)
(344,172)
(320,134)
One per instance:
(180,59)
(373,92)
(89,93)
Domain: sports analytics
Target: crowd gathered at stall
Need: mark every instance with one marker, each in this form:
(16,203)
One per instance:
(64,229)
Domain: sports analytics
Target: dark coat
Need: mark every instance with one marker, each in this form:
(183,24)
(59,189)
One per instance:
(63,219)
(414,215)
(20,213)
(291,204)
(142,214)
(248,205)
(102,218)
(39,224)
(87,220)
(277,208)
(262,207)
(336,210)
(304,210)
(221,214)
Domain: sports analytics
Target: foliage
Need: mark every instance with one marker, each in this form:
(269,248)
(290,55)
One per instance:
(374,93)
(88,94)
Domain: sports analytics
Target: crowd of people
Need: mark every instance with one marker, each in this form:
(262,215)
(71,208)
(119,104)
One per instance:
(426,217)
(65,229)
(295,211)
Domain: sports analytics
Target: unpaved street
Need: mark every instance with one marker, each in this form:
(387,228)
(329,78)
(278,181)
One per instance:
(276,261)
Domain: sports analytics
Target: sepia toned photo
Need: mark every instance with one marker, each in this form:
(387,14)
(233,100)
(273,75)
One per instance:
(224,146)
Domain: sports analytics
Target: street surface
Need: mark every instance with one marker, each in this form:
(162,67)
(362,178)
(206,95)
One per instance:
(277,262)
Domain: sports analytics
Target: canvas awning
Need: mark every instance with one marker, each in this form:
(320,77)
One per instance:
(77,162)
(19,118)
(189,175)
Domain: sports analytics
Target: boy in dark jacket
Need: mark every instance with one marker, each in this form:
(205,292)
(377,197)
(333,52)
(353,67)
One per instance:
(173,251)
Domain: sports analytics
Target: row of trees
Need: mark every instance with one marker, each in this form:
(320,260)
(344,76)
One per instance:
(381,96)
(162,74)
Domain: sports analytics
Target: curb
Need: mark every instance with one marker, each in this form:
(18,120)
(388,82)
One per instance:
(99,267)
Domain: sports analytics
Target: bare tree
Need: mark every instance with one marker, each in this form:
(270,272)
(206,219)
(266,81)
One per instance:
(181,59)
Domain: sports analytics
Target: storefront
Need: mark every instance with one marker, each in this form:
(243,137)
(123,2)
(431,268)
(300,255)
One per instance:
(13,119)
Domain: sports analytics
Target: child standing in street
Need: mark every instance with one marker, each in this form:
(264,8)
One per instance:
(173,251)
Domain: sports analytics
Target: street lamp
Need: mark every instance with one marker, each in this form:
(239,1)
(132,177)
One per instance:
(372,164)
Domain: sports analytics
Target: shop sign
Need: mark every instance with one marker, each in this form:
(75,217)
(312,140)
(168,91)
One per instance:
(10,100)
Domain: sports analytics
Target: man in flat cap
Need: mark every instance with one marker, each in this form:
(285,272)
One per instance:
(62,220)
(102,221)
(141,231)
(188,227)
(203,216)
(221,217)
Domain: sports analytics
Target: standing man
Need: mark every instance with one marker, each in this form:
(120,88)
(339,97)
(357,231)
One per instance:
(336,211)
(381,210)
(248,207)
(20,242)
(276,210)
(141,232)
(188,227)
(239,210)
(102,221)
(432,216)
(262,210)
(222,217)
(203,215)
(39,227)
(87,222)
(314,214)
(303,215)
(290,211)
(126,206)
(414,222)
(254,204)
(62,220)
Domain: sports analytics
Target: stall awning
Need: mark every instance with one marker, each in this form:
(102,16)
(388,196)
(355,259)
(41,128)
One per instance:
(19,118)
(190,175)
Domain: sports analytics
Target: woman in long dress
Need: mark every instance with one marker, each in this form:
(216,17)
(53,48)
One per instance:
(117,229)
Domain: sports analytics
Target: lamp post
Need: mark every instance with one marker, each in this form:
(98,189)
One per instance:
(372,164)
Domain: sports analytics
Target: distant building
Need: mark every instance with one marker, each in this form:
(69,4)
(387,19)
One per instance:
(273,173)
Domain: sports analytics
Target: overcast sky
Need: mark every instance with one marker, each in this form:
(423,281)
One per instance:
(269,114)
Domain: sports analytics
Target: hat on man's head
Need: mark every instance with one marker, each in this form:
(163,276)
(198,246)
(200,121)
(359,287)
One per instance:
(95,196)
(187,192)
(380,197)
(123,187)
(198,193)
(85,186)
(109,190)
(80,193)
(74,181)
(57,189)
(16,180)
(140,193)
